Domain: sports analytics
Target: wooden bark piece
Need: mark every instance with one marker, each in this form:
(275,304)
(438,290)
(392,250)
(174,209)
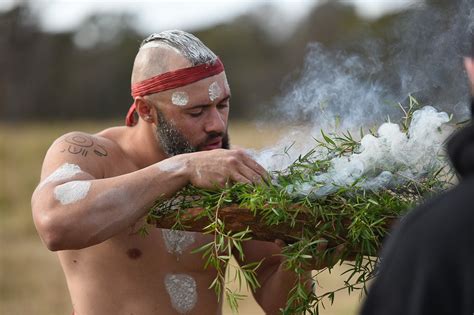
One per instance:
(235,219)
(238,219)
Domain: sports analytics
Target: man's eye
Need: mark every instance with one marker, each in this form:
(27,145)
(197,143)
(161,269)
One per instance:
(195,113)
(222,105)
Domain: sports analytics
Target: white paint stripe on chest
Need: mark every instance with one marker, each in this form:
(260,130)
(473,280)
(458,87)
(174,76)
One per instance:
(71,192)
(182,291)
(177,241)
(65,171)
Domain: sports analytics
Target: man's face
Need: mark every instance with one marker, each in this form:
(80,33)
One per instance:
(174,142)
(194,117)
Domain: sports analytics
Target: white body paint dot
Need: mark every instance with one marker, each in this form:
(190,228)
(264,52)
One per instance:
(65,171)
(177,241)
(214,91)
(180,98)
(182,291)
(71,192)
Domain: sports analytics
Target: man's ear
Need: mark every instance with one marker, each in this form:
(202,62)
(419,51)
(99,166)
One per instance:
(145,110)
(469,64)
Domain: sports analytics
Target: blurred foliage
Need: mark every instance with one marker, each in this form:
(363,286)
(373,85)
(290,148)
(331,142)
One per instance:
(86,73)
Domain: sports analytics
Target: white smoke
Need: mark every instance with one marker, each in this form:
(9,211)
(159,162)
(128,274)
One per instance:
(389,159)
(420,55)
(471,22)
(336,90)
(341,91)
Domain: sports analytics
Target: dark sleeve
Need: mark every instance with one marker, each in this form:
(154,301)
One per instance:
(427,264)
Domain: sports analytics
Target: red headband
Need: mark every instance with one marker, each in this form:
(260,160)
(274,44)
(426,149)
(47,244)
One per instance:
(171,80)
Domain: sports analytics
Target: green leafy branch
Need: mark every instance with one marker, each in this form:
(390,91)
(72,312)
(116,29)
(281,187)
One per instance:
(357,218)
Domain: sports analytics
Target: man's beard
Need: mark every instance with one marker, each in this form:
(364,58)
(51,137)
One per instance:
(173,142)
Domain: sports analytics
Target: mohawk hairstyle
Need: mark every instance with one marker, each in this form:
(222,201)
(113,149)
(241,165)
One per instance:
(187,44)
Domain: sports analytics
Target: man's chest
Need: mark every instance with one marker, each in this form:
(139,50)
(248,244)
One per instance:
(153,270)
(169,249)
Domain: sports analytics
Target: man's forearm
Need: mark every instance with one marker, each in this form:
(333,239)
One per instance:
(110,206)
(274,292)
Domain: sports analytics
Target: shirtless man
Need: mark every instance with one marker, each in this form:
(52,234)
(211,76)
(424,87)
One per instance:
(96,189)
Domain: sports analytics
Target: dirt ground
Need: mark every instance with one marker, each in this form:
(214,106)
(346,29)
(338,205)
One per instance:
(31,280)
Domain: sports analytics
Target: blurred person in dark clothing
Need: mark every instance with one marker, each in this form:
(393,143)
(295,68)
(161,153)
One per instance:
(427,265)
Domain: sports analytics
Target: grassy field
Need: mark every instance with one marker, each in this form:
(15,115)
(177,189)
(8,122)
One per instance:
(31,280)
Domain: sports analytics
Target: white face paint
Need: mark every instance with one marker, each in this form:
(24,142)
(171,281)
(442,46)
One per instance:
(71,192)
(169,166)
(177,241)
(182,291)
(65,171)
(227,87)
(180,98)
(214,91)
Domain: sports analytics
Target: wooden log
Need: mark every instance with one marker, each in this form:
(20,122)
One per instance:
(238,219)
(235,219)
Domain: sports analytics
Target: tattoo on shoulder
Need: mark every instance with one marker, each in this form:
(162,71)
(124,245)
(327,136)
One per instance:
(81,144)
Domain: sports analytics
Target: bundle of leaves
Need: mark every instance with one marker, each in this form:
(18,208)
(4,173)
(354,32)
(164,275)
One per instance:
(297,207)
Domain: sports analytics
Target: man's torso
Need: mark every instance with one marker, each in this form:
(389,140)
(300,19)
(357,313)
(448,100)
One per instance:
(135,274)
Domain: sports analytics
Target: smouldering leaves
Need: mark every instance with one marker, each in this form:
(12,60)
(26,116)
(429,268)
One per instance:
(352,216)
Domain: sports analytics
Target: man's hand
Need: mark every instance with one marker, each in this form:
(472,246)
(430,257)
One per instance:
(216,168)
(317,263)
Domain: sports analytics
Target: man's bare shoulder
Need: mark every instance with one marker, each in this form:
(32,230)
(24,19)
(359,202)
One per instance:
(93,153)
(86,144)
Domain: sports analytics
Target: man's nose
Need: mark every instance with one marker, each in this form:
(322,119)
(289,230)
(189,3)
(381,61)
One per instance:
(216,121)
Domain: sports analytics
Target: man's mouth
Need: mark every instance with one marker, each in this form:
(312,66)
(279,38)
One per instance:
(214,144)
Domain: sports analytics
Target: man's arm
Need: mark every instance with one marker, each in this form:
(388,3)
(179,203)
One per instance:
(275,281)
(74,206)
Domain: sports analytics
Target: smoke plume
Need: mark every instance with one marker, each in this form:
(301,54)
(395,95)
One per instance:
(338,90)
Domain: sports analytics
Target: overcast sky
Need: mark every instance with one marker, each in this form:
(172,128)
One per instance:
(63,15)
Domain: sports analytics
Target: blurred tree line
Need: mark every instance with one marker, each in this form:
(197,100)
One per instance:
(86,73)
